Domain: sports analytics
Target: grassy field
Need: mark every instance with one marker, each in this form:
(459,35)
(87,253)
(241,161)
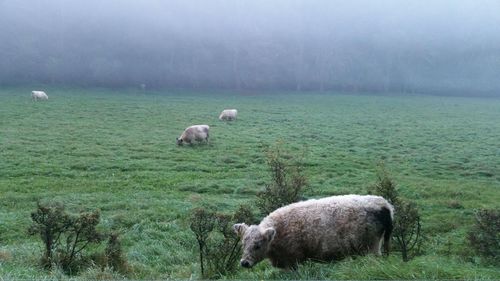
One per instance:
(116,151)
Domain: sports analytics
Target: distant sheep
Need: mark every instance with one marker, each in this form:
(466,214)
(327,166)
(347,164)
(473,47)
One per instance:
(194,133)
(325,229)
(39,95)
(228,114)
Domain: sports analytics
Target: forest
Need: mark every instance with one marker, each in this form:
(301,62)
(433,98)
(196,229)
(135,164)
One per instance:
(444,48)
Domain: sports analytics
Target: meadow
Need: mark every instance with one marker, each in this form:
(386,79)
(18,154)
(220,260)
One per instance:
(115,150)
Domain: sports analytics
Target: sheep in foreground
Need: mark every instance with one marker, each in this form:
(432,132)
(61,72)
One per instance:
(325,229)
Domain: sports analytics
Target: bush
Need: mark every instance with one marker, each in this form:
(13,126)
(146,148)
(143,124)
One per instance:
(407,228)
(244,214)
(65,236)
(385,186)
(287,182)
(114,254)
(484,236)
(407,231)
(202,222)
(218,245)
(224,250)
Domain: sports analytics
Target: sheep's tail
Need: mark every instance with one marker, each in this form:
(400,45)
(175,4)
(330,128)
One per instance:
(386,218)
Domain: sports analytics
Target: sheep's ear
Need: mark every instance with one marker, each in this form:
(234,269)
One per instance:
(269,234)
(240,229)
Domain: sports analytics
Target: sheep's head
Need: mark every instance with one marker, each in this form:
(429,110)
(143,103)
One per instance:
(255,242)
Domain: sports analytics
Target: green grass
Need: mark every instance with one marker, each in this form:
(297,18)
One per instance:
(115,150)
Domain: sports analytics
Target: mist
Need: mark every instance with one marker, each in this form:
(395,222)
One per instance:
(448,47)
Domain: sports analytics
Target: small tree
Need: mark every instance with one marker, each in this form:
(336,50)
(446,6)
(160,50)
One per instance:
(286,186)
(50,221)
(202,222)
(385,186)
(407,228)
(65,236)
(218,245)
(407,231)
(484,236)
(223,250)
(81,233)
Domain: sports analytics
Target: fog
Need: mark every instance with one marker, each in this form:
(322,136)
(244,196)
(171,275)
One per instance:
(434,47)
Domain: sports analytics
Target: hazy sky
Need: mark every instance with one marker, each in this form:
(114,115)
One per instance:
(437,46)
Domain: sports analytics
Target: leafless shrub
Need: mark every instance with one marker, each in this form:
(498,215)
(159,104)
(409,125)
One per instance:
(65,236)
(202,222)
(407,231)
(218,245)
(407,228)
(287,182)
(484,236)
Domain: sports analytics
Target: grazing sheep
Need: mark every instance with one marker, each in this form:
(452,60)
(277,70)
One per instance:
(194,133)
(228,114)
(325,229)
(39,95)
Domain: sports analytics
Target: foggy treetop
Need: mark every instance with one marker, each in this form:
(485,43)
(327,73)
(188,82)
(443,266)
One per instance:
(443,46)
